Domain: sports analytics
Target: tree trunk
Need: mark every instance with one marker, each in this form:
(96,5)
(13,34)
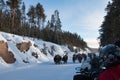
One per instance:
(13,12)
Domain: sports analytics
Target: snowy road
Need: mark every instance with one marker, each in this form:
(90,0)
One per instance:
(45,71)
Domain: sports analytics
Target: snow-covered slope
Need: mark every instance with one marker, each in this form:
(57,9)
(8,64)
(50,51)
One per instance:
(39,51)
(43,49)
(26,65)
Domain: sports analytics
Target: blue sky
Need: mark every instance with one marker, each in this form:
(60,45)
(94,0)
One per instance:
(83,17)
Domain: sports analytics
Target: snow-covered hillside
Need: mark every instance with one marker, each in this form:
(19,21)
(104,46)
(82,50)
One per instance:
(32,59)
(43,50)
(37,46)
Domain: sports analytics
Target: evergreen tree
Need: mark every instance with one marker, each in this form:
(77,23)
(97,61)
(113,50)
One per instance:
(17,22)
(40,15)
(23,18)
(55,21)
(55,26)
(13,4)
(110,29)
(52,22)
(32,15)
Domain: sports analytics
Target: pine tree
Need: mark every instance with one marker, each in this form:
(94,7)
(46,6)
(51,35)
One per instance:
(110,29)
(40,15)
(55,22)
(32,15)
(52,22)
(23,18)
(55,27)
(14,5)
(17,23)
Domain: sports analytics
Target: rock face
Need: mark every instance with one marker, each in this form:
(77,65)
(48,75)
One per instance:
(7,56)
(24,46)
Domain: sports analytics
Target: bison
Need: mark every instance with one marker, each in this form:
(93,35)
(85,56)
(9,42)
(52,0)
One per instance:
(65,58)
(77,57)
(57,59)
(74,58)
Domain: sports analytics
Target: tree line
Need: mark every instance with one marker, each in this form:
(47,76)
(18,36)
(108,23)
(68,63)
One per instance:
(110,28)
(14,19)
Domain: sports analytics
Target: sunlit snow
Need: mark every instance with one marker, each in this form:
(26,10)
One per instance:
(42,68)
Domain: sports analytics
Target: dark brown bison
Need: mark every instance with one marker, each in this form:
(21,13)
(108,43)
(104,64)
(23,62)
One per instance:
(57,59)
(65,58)
(77,57)
(91,55)
(84,56)
(74,58)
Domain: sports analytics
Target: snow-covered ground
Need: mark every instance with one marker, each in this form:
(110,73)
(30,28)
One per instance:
(43,71)
(41,68)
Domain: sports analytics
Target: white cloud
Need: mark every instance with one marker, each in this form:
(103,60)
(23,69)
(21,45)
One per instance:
(93,43)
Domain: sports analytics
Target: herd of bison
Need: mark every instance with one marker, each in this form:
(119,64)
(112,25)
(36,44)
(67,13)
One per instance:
(76,57)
